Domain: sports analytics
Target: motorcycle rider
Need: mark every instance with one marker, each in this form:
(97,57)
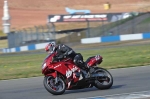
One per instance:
(63,51)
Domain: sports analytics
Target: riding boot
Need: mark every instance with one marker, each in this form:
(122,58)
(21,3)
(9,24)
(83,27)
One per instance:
(83,65)
(86,67)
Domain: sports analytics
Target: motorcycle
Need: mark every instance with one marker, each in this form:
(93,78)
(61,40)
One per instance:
(63,75)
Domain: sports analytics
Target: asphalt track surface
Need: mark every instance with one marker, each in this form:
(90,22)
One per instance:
(126,80)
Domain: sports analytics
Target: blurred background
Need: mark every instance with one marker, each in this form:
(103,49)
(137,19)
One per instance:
(29,21)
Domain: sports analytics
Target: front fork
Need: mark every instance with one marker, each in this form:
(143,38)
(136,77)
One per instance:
(56,78)
(55,75)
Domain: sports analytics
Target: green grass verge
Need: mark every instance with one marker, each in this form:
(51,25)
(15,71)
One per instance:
(3,43)
(145,21)
(22,66)
(2,34)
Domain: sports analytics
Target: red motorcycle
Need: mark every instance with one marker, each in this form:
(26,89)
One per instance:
(65,75)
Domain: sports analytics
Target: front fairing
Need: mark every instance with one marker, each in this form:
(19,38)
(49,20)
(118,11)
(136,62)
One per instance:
(48,56)
(47,60)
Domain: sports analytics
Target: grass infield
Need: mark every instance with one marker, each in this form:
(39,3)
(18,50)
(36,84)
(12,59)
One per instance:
(29,65)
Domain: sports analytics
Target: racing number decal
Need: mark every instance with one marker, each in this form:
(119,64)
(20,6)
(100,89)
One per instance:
(74,69)
(97,57)
(68,73)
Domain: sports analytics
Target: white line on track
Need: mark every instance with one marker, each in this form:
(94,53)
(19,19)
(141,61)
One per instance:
(133,95)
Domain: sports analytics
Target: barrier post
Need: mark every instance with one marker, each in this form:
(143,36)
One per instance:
(88,30)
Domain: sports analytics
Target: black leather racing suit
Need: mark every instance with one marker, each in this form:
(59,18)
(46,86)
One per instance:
(65,51)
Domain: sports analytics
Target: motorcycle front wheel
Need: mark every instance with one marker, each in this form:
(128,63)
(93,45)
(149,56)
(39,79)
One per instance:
(55,89)
(104,82)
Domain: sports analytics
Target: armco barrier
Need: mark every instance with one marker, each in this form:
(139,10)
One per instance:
(25,48)
(116,38)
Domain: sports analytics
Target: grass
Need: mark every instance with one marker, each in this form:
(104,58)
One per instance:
(2,34)
(29,65)
(145,21)
(3,43)
(123,56)
(20,66)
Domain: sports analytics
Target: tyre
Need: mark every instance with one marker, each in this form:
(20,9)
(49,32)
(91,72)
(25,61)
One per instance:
(103,84)
(55,89)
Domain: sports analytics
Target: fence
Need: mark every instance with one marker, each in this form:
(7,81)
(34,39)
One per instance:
(37,34)
(47,33)
(132,25)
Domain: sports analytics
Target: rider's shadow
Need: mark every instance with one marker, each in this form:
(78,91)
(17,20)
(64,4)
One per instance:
(91,89)
(80,90)
(116,86)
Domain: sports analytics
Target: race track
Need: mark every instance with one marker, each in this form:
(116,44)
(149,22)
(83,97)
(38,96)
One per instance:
(125,81)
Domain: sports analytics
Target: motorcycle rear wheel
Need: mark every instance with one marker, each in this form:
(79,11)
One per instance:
(100,84)
(55,89)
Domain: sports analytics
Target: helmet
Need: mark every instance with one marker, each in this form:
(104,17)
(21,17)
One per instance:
(50,47)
